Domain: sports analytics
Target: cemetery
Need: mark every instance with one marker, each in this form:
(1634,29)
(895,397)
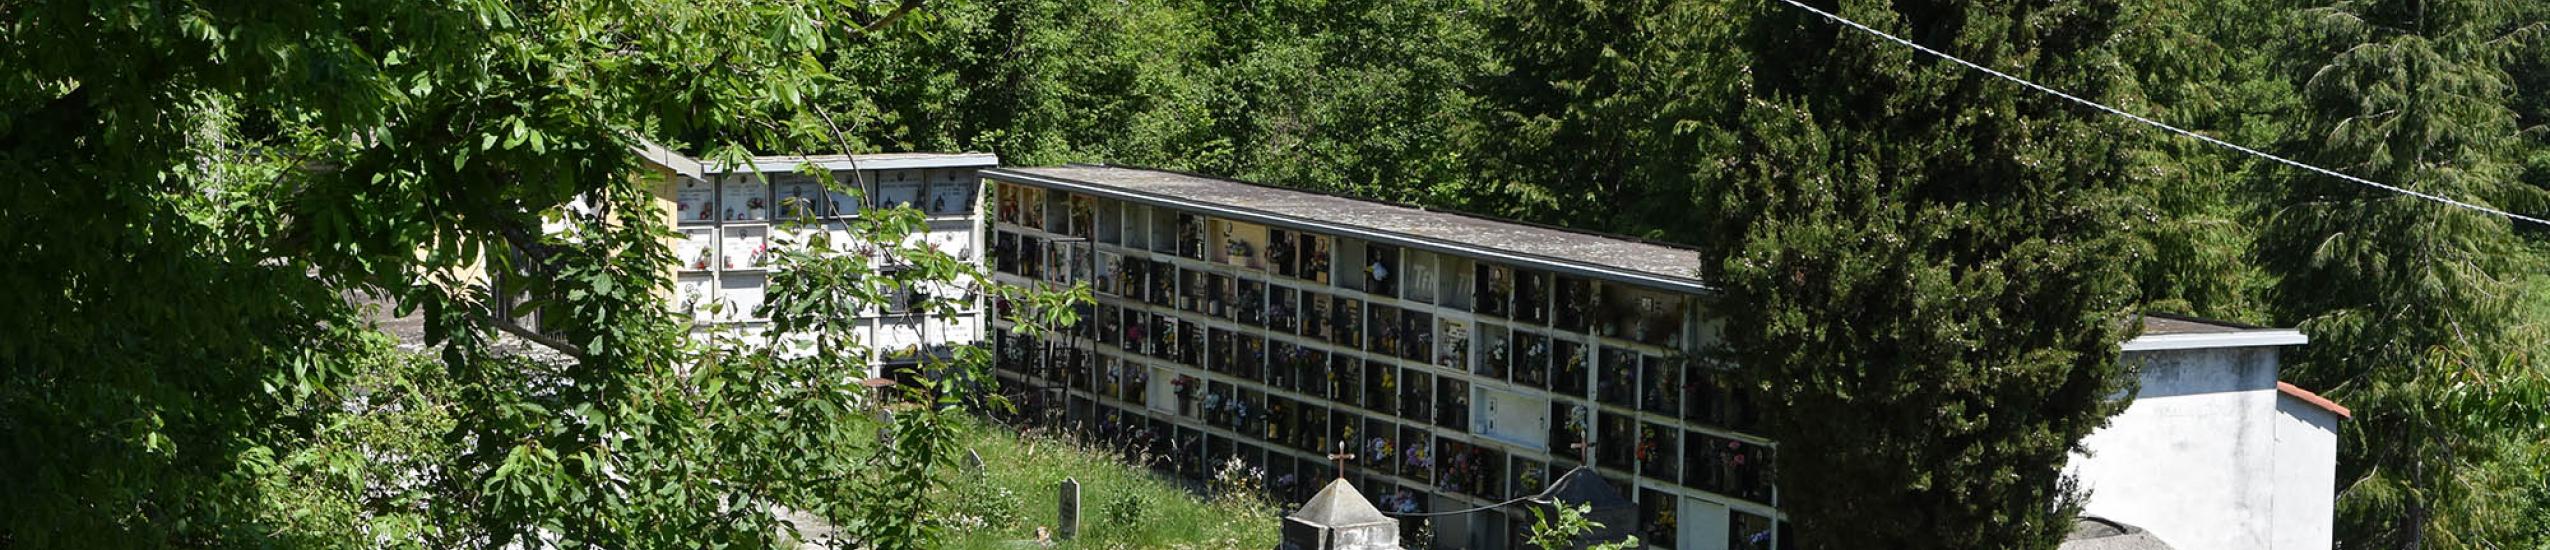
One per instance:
(1464,361)
(1449,367)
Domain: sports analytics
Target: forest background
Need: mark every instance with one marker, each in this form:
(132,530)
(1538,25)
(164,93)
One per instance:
(1928,256)
(1654,119)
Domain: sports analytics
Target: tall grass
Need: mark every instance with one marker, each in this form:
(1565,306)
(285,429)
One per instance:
(1122,506)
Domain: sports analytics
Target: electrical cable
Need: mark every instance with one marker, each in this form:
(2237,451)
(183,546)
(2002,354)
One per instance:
(1534,498)
(1542,497)
(2163,126)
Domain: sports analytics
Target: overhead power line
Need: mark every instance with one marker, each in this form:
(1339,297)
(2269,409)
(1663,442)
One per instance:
(1534,498)
(1543,497)
(2157,124)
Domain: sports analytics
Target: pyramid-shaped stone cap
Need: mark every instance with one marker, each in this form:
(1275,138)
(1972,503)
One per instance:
(2096,533)
(1584,487)
(1617,514)
(1339,505)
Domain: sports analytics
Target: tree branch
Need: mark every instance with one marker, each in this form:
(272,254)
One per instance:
(890,17)
(542,259)
(540,255)
(547,341)
(856,178)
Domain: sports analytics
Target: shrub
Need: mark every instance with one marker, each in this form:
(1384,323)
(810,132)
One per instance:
(977,502)
(1126,510)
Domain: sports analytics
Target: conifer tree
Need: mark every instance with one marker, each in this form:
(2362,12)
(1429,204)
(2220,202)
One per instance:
(1599,106)
(2410,305)
(1926,268)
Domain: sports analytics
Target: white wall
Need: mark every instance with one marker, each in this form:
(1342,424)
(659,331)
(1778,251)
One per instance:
(2306,474)
(956,230)
(2195,458)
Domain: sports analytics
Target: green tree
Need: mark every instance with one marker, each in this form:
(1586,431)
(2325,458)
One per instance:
(204,183)
(376,461)
(2410,305)
(2203,66)
(1080,80)
(1925,268)
(1602,106)
(2524,51)
(1362,98)
(1563,527)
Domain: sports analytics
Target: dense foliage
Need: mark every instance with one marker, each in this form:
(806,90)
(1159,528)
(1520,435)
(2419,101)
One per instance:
(1973,234)
(204,185)
(198,185)
(1633,116)
(1560,526)
(2413,305)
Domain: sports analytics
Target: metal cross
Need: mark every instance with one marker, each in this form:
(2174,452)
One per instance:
(1340,457)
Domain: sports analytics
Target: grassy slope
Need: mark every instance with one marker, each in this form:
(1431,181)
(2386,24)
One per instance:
(1026,469)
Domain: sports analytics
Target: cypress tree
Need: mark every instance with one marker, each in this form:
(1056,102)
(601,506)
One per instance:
(1926,269)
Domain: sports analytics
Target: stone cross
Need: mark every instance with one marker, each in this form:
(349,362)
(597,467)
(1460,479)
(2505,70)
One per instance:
(1067,515)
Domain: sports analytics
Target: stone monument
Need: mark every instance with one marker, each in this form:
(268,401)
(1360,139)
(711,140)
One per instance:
(1338,518)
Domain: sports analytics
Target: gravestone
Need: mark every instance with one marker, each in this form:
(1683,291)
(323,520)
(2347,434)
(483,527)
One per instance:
(1067,514)
(885,428)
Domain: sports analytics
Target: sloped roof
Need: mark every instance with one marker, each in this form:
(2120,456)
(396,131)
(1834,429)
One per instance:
(694,168)
(670,159)
(2097,533)
(1565,250)
(2165,323)
(1339,505)
(1583,487)
(2296,392)
(1618,516)
(2176,332)
(863,161)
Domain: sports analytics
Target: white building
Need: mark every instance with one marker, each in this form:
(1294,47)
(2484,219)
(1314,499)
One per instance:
(731,217)
(2215,452)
